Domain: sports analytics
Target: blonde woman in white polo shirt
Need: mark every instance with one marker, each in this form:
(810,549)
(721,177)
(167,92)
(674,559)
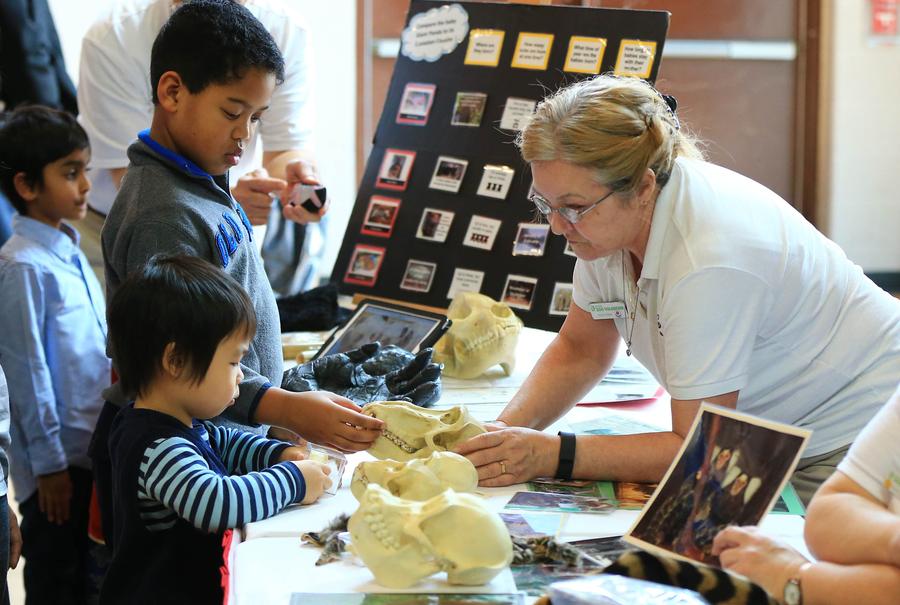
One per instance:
(730,296)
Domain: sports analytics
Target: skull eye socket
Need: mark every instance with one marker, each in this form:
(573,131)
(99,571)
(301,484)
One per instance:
(450,417)
(501,311)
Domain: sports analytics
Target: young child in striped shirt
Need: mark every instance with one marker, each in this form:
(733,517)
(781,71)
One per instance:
(178,329)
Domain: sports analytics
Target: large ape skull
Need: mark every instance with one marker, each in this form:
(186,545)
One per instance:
(418,479)
(413,432)
(403,541)
(484,333)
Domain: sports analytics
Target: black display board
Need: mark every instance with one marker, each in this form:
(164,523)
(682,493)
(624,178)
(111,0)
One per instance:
(379,244)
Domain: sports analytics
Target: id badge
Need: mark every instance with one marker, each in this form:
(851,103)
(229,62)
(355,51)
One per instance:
(608,310)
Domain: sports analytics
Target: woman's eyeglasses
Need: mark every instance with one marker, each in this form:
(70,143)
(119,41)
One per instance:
(570,215)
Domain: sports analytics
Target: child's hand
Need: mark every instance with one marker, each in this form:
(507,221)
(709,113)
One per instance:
(316,476)
(293,453)
(55,495)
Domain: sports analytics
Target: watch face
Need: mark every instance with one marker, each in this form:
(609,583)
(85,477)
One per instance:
(792,592)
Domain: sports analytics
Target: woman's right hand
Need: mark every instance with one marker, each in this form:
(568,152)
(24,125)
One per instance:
(315,474)
(504,456)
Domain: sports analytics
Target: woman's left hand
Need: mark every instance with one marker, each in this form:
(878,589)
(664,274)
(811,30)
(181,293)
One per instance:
(504,456)
(749,552)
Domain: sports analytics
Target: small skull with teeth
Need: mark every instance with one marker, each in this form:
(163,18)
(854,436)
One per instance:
(413,432)
(417,479)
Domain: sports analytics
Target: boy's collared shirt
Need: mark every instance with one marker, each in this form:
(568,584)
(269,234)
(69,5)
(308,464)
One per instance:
(53,326)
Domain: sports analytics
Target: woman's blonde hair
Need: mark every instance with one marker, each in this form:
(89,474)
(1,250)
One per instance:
(616,126)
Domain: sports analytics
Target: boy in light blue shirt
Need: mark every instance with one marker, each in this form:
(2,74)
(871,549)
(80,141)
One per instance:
(53,326)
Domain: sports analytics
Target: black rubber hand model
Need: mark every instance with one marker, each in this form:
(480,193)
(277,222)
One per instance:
(371,373)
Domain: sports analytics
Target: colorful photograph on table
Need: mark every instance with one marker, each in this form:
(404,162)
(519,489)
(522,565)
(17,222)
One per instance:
(633,496)
(560,502)
(585,55)
(517,113)
(531,239)
(395,169)
(561,299)
(482,232)
(415,104)
(608,548)
(364,265)
(729,471)
(532,51)
(468,109)
(380,216)
(535,579)
(435,225)
(635,58)
(518,526)
(448,174)
(387,598)
(465,280)
(389,324)
(418,275)
(519,291)
(496,181)
(577,487)
(610,423)
(484,47)
(568,250)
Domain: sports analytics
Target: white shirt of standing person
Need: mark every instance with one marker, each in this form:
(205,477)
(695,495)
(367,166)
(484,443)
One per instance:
(738,292)
(874,458)
(114,90)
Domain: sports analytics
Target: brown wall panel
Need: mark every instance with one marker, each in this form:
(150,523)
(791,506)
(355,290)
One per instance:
(744,110)
(720,19)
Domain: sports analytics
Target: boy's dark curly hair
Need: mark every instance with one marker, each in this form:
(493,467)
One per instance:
(213,41)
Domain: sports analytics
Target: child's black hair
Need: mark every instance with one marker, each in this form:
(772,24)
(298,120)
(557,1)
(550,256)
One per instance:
(212,41)
(31,137)
(183,300)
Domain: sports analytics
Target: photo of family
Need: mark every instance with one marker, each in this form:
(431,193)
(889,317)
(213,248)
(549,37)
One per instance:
(395,169)
(415,105)
(730,471)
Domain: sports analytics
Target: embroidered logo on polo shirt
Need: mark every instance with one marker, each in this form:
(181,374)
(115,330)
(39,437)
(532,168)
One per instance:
(244,220)
(223,250)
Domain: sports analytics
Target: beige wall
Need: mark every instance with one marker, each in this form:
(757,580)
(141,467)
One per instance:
(860,169)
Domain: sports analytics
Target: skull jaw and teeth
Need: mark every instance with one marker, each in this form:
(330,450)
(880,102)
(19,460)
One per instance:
(418,479)
(413,432)
(484,333)
(403,541)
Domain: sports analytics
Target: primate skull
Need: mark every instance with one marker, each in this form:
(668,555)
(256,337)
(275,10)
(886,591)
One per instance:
(484,333)
(418,479)
(403,541)
(413,432)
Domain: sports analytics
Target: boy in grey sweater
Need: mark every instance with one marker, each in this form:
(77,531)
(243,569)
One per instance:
(213,70)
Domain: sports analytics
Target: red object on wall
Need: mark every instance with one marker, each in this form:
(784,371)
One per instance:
(884,17)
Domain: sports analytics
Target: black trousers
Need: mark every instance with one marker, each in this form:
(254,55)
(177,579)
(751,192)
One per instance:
(56,556)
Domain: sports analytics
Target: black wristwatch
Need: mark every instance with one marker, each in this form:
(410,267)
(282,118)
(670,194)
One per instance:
(566,456)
